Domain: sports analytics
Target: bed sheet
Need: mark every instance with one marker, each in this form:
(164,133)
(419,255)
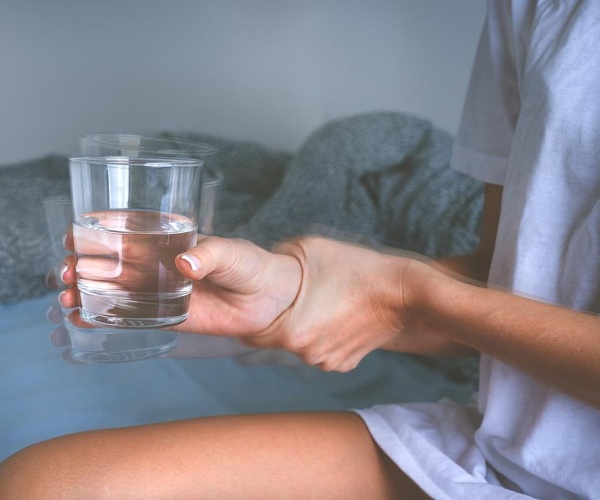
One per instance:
(43,396)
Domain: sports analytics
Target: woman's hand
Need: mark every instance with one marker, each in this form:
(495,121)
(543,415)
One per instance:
(350,303)
(239,289)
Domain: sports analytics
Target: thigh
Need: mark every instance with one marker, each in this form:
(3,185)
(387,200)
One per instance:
(282,456)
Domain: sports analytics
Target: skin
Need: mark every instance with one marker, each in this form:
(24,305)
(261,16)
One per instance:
(291,456)
(330,303)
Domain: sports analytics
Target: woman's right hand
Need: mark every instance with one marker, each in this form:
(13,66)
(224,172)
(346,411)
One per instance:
(239,289)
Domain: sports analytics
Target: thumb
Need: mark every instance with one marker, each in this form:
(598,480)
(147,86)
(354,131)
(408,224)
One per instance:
(231,262)
(202,259)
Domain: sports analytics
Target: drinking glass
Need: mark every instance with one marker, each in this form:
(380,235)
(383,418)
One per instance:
(106,344)
(131,218)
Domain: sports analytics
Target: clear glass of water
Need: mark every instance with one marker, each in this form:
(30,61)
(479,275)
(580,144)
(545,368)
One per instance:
(131,218)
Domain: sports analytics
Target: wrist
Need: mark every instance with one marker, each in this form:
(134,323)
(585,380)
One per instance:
(289,278)
(431,300)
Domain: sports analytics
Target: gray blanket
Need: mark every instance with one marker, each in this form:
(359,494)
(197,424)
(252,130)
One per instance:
(380,177)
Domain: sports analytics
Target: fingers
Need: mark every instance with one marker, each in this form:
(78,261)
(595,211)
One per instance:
(98,268)
(51,280)
(74,319)
(69,298)
(67,272)
(60,337)
(54,313)
(67,239)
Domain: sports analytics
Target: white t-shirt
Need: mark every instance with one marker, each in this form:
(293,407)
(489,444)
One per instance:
(531,122)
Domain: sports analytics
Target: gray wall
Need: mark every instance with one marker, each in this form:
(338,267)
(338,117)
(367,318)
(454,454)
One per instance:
(264,70)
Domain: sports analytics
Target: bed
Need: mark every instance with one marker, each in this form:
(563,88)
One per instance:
(380,178)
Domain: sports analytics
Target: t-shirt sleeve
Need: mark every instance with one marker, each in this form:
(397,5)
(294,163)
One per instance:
(491,107)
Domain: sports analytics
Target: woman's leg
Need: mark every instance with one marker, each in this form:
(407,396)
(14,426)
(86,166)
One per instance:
(282,456)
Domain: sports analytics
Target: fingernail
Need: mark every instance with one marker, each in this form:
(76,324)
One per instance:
(49,280)
(62,272)
(193,262)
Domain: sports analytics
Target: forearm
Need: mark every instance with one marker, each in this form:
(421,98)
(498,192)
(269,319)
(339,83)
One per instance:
(473,267)
(561,347)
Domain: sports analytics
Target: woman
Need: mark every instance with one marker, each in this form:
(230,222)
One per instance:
(530,131)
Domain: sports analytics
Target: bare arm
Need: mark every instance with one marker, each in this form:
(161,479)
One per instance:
(332,303)
(560,347)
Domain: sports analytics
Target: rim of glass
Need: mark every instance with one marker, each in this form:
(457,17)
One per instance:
(160,161)
(194,147)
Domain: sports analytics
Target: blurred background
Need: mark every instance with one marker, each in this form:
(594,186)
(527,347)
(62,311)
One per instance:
(269,71)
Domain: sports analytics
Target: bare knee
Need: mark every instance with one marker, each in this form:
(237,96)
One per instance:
(23,475)
(47,470)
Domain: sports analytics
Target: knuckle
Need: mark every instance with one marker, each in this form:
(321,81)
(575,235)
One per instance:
(330,366)
(311,356)
(292,343)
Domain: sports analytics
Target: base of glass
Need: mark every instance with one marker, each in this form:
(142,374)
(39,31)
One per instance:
(105,345)
(129,323)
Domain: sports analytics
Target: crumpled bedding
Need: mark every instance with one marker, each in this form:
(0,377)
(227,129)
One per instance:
(382,178)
